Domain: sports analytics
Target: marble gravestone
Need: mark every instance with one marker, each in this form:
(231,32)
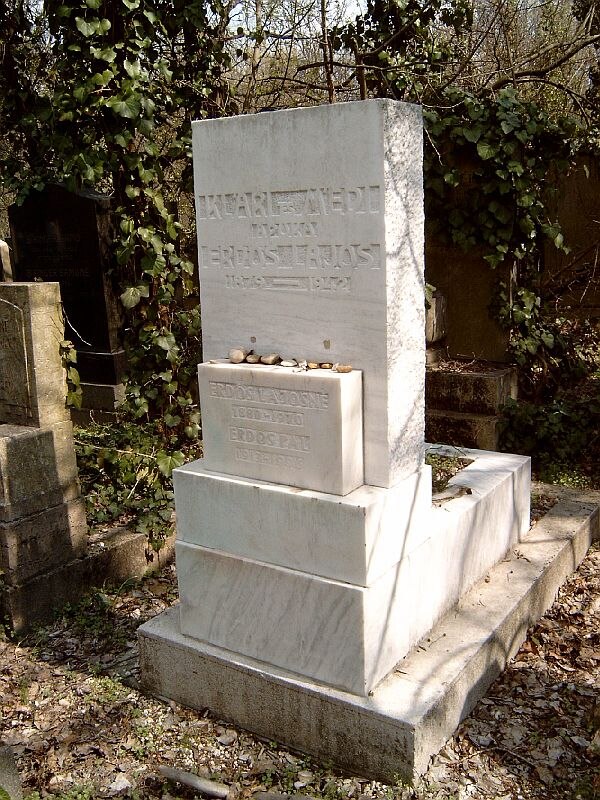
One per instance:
(310,559)
(322,256)
(298,261)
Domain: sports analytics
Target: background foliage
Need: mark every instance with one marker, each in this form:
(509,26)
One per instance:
(101,94)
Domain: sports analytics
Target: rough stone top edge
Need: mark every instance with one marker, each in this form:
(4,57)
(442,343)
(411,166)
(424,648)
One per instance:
(377,102)
(452,451)
(34,294)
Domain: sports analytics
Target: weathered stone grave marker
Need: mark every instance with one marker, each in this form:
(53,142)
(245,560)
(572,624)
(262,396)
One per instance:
(61,236)
(42,517)
(305,572)
(46,556)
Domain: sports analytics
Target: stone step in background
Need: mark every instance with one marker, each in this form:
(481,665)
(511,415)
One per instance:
(463,403)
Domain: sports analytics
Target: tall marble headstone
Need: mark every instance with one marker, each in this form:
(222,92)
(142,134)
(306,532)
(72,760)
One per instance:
(313,487)
(310,557)
(310,236)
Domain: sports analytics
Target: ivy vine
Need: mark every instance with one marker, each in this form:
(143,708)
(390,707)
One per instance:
(112,111)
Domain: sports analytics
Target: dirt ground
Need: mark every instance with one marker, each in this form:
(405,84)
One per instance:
(80,728)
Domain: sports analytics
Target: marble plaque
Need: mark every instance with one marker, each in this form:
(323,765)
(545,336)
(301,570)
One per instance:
(310,237)
(299,428)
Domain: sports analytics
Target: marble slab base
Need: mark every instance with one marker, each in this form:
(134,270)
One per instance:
(338,632)
(355,538)
(394,731)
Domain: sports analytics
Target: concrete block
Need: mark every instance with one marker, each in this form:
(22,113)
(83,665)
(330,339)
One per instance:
(101,397)
(315,215)
(35,544)
(354,539)
(303,429)
(408,717)
(115,558)
(462,429)
(38,469)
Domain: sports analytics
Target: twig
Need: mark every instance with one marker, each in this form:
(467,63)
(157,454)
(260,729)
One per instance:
(209,788)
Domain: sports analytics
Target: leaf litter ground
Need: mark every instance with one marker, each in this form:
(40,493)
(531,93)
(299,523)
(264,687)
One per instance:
(74,716)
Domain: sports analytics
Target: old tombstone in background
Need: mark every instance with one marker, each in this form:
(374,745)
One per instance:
(573,277)
(310,556)
(47,557)
(42,516)
(65,237)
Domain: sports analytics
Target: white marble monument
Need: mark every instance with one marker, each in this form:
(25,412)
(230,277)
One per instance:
(309,551)
(310,237)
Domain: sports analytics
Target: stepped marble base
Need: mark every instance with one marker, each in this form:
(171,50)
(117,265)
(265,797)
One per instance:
(409,716)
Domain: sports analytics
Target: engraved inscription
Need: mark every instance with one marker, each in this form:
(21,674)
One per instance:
(267,415)
(310,257)
(13,370)
(279,231)
(279,441)
(324,283)
(273,459)
(293,203)
(255,423)
(266,394)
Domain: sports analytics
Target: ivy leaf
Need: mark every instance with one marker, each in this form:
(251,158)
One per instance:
(132,68)
(548,340)
(104,53)
(86,28)
(168,462)
(166,342)
(526,200)
(472,134)
(129,108)
(132,296)
(73,376)
(486,150)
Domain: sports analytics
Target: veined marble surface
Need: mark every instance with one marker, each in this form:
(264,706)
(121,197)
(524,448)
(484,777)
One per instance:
(339,633)
(300,428)
(310,237)
(355,538)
